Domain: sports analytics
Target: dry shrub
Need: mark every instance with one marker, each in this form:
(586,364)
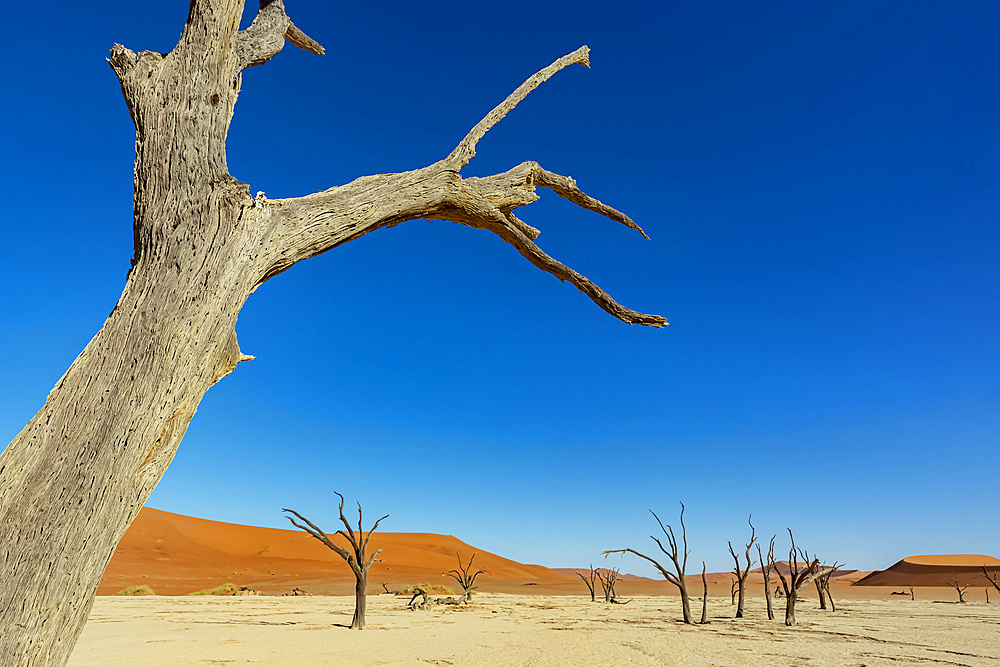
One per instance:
(224,589)
(427,588)
(137,590)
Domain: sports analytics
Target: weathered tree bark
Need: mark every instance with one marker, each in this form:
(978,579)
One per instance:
(704,595)
(77,474)
(590,581)
(765,568)
(798,577)
(741,574)
(356,558)
(463,575)
(677,555)
(821,593)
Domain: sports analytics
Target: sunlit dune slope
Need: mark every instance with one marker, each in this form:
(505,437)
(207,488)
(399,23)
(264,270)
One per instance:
(938,570)
(176,554)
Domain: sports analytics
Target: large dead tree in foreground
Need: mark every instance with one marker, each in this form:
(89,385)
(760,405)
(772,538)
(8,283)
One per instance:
(678,557)
(77,474)
(741,574)
(357,557)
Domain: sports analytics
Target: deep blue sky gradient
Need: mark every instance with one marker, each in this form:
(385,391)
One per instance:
(820,183)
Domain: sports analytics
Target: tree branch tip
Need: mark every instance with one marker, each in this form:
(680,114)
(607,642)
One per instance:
(246,357)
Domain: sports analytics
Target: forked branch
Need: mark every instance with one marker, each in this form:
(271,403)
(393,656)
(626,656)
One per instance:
(303,227)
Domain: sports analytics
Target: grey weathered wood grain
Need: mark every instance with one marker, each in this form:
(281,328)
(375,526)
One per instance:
(77,474)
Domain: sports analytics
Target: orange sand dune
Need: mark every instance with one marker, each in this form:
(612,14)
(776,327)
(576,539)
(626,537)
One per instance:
(175,554)
(939,570)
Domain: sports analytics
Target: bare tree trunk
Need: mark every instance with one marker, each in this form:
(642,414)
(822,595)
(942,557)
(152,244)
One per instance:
(360,599)
(704,596)
(826,587)
(77,474)
(790,601)
(821,593)
(765,568)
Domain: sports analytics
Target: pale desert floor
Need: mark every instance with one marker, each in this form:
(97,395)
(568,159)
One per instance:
(500,629)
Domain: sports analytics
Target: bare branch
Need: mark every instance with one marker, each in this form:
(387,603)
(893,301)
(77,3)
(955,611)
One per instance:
(466,148)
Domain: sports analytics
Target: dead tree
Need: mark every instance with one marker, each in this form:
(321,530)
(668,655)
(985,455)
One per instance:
(741,575)
(677,556)
(464,576)
(823,585)
(993,578)
(357,557)
(77,474)
(766,565)
(732,593)
(912,596)
(419,593)
(959,588)
(608,581)
(704,595)
(798,577)
(820,592)
(591,581)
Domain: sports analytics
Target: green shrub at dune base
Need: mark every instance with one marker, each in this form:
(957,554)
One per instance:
(137,590)
(224,589)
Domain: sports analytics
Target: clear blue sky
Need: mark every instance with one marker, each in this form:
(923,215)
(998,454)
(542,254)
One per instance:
(820,182)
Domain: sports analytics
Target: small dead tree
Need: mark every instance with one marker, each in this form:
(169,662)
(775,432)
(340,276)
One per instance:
(677,556)
(912,596)
(741,574)
(959,588)
(608,581)
(418,593)
(823,585)
(798,577)
(765,569)
(704,595)
(993,578)
(464,576)
(591,581)
(357,557)
(732,593)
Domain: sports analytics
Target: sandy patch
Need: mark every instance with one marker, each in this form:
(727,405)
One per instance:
(500,629)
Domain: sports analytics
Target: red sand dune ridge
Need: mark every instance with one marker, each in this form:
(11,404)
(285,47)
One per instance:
(176,554)
(936,570)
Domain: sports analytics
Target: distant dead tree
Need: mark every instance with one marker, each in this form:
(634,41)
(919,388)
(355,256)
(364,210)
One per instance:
(608,581)
(677,556)
(798,577)
(357,558)
(912,596)
(823,585)
(993,578)
(732,593)
(765,569)
(465,578)
(741,575)
(959,588)
(704,596)
(591,581)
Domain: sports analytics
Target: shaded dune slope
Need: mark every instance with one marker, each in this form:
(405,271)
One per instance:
(939,570)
